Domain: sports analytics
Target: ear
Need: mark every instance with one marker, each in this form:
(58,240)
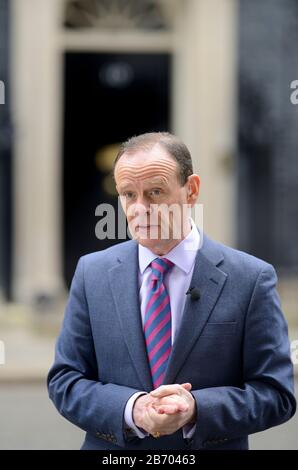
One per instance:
(193,189)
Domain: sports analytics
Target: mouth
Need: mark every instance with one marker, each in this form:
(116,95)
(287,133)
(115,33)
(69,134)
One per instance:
(146,227)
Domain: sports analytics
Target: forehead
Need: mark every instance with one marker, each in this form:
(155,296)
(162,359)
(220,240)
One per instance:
(154,163)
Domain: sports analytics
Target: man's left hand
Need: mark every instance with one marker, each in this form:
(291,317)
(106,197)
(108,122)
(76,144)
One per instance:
(168,395)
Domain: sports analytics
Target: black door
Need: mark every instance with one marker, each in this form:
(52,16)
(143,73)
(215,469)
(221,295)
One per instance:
(268,131)
(5,157)
(108,98)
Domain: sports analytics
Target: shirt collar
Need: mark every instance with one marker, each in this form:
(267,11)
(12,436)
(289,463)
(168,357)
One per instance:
(182,255)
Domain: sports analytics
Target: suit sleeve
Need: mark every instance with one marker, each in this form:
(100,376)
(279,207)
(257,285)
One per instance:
(73,379)
(266,397)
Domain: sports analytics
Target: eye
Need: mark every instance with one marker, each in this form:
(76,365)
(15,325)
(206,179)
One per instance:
(155,192)
(128,195)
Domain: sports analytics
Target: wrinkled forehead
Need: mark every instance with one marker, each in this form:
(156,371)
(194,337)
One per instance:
(141,165)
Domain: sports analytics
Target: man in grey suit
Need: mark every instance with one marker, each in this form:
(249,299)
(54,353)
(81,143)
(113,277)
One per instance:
(170,340)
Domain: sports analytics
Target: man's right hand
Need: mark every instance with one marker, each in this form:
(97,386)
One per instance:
(144,410)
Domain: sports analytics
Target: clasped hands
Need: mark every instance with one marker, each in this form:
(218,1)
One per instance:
(165,410)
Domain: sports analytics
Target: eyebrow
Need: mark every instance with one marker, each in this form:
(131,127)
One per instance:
(158,182)
(124,186)
(155,182)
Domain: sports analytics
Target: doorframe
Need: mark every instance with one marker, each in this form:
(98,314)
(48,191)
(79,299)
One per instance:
(203,115)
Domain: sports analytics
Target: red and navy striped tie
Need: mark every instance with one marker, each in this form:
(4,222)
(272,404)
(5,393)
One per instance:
(157,324)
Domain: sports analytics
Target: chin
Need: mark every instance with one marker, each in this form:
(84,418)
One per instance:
(155,245)
(147,242)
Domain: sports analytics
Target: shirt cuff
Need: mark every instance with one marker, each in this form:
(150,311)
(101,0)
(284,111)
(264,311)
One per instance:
(188,430)
(128,416)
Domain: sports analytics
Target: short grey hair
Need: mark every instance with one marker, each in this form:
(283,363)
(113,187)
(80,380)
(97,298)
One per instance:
(171,143)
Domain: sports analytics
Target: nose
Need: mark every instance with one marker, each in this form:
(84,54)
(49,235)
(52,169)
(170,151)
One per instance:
(140,208)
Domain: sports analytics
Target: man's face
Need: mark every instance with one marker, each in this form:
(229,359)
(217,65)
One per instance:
(155,204)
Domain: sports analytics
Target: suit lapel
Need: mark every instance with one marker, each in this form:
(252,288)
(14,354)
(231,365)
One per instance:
(123,278)
(210,281)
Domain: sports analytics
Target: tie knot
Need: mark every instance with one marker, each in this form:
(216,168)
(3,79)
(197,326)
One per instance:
(159,267)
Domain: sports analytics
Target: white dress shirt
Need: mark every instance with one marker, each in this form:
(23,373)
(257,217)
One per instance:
(177,283)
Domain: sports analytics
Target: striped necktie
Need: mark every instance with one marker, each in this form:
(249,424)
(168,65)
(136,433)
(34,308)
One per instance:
(157,324)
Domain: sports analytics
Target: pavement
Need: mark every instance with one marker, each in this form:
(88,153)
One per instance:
(31,421)
(29,339)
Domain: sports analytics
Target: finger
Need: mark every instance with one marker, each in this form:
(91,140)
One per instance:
(172,409)
(165,390)
(187,386)
(176,406)
(167,409)
(176,400)
(151,413)
(155,417)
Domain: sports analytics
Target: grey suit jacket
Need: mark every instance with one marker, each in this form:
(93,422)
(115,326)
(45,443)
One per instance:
(232,346)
